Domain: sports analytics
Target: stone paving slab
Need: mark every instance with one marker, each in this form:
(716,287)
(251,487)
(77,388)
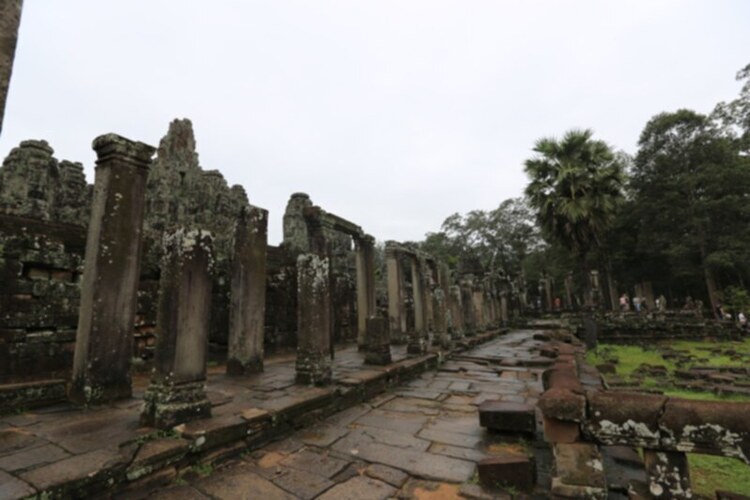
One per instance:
(421,438)
(93,447)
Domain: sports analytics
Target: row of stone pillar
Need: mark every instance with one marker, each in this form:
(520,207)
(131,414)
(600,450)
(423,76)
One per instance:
(450,311)
(104,340)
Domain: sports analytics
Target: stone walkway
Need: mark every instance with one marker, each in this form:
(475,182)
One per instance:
(421,439)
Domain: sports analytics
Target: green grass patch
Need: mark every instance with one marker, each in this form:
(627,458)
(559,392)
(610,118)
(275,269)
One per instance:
(629,358)
(709,473)
(704,396)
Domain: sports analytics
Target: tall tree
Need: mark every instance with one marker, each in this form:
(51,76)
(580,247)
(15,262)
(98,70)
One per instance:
(575,187)
(691,191)
(736,113)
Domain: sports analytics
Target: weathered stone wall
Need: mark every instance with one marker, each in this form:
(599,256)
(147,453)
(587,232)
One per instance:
(40,266)
(43,209)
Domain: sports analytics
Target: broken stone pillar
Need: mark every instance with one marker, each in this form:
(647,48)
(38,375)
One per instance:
(396,295)
(10,19)
(377,342)
(313,320)
(104,341)
(365,285)
(418,338)
(668,474)
(247,306)
(177,392)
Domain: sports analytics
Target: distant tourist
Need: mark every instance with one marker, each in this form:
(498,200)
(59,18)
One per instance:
(624,302)
(637,304)
(742,320)
(661,303)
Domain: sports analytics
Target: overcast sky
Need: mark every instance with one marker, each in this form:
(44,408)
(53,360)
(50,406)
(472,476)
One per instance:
(392,114)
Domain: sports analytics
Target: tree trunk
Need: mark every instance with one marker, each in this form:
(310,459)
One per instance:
(712,294)
(613,295)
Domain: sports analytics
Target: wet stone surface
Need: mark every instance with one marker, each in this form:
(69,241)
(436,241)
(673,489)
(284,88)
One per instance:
(418,440)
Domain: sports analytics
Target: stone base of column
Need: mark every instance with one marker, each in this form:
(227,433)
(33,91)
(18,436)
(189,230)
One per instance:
(378,356)
(235,367)
(445,341)
(377,346)
(313,368)
(81,393)
(417,346)
(166,405)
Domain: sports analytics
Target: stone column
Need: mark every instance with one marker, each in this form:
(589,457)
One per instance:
(441,323)
(313,320)
(365,285)
(417,342)
(456,310)
(396,313)
(668,474)
(569,290)
(441,307)
(477,300)
(467,299)
(104,341)
(377,342)
(504,308)
(10,19)
(428,291)
(247,307)
(177,391)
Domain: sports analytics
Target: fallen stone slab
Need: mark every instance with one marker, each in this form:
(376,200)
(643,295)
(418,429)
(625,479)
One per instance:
(81,474)
(503,471)
(563,404)
(507,416)
(579,471)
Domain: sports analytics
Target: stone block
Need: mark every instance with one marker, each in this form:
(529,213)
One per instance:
(507,417)
(213,432)
(563,404)
(562,376)
(516,471)
(668,474)
(561,431)
(618,417)
(579,464)
(708,426)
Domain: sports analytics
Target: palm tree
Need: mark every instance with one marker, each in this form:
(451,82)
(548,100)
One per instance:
(576,185)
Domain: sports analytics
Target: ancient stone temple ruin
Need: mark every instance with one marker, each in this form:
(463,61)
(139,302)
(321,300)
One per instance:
(52,224)
(150,304)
